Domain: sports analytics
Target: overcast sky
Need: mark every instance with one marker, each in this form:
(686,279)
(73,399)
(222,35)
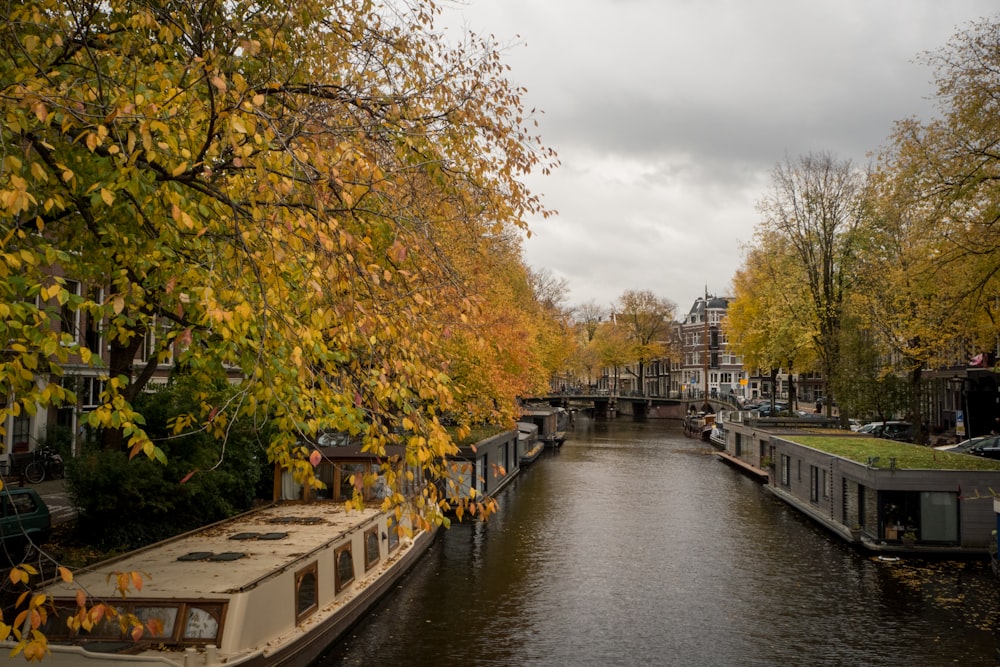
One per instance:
(669,115)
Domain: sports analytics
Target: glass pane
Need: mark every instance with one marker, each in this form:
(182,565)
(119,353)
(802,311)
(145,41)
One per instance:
(306,593)
(938,516)
(202,623)
(157,621)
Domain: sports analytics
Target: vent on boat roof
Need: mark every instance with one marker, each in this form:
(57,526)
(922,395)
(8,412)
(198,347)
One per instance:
(208,555)
(307,520)
(258,536)
(227,555)
(195,555)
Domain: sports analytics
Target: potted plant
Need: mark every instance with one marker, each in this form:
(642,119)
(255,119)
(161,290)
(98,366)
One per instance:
(909,538)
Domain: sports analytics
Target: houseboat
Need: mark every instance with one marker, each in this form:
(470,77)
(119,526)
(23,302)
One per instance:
(883,496)
(529,447)
(486,467)
(275,586)
(271,587)
(699,425)
(552,423)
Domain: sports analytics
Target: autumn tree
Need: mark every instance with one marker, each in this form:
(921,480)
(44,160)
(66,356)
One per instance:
(815,206)
(646,320)
(950,167)
(271,187)
(767,322)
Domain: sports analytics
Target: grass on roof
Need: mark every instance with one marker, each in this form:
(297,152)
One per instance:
(478,434)
(913,457)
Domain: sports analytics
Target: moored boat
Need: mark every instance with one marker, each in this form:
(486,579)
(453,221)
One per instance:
(551,423)
(529,447)
(699,426)
(275,586)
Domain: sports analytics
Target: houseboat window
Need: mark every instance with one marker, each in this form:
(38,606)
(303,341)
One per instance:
(786,470)
(739,444)
(306,600)
(371,547)
(348,470)
(814,484)
(825,483)
(380,489)
(393,529)
(202,621)
(939,516)
(324,473)
(345,567)
(158,620)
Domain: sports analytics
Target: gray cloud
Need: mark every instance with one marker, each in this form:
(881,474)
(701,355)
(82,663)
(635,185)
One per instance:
(668,116)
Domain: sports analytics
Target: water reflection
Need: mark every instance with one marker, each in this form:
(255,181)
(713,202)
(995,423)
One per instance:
(634,545)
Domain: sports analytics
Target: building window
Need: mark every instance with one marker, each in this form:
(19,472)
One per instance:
(344,573)
(90,392)
(306,595)
(69,314)
(371,548)
(21,433)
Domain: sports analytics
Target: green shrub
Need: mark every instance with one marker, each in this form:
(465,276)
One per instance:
(123,504)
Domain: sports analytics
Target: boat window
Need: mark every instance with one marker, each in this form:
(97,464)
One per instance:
(393,529)
(202,621)
(345,567)
(158,621)
(306,599)
(347,470)
(371,547)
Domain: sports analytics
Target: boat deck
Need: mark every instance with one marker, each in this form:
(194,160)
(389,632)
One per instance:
(227,557)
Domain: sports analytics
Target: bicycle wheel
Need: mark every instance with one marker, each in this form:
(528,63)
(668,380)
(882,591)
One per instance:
(34,472)
(56,470)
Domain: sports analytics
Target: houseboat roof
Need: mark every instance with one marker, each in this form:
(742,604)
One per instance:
(879,453)
(227,557)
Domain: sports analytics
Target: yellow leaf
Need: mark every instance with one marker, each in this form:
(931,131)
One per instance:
(108,196)
(179,169)
(65,574)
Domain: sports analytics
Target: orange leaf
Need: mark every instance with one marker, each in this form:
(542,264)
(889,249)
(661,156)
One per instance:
(188,476)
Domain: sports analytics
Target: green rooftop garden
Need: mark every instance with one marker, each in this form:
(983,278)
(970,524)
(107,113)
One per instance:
(913,457)
(478,434)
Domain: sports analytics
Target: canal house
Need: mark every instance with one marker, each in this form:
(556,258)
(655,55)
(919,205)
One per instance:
(881,495)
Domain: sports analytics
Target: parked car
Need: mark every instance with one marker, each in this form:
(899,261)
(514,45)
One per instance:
(964,446)
(25,519)
(987,448)
(890,430)
(764,409)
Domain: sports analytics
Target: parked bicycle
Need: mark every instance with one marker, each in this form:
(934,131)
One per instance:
(46,463)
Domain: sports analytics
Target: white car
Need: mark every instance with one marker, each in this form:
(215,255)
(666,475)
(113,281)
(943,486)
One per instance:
(966,445)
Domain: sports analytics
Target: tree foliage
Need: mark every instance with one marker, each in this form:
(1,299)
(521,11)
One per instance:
(646,320)
(271,187)
(815,207)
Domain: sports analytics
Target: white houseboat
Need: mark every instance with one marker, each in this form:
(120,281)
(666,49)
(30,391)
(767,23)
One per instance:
(275,586)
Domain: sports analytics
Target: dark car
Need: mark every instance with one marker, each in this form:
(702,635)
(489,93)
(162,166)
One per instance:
(25,520)
(890,430)
(988,448)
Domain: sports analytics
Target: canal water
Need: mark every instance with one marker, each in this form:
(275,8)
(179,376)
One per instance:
(633,545)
